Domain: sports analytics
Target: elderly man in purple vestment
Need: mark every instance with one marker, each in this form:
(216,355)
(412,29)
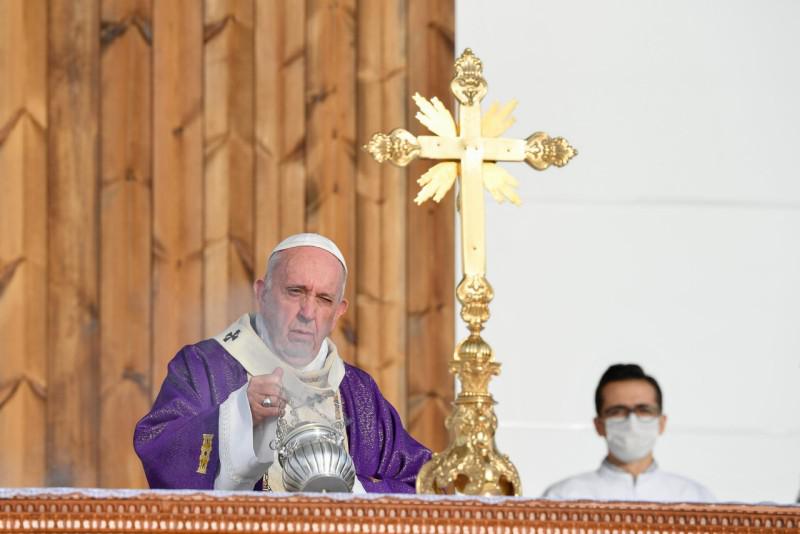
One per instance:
(215,418)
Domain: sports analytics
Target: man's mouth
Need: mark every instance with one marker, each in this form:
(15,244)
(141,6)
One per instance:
(301,333)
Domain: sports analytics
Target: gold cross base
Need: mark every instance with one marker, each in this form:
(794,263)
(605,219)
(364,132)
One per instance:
(471,464)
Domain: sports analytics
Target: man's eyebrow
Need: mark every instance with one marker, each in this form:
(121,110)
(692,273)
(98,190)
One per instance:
(640,405)
(297,286)
(306,289)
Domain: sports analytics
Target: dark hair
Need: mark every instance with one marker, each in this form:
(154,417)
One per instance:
(620,372)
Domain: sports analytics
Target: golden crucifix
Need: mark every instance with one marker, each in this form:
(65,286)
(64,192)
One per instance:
(471,464)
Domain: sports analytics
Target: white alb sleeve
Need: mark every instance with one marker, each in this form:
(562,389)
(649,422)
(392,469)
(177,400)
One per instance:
(244,452)
(357,487)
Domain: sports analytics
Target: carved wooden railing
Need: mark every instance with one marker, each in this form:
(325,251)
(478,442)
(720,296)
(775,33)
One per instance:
(81,511)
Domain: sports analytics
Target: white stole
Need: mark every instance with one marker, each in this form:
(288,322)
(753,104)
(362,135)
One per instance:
(312,395)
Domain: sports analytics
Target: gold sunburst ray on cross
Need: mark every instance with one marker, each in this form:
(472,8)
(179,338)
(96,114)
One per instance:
(471,464)
(440,178)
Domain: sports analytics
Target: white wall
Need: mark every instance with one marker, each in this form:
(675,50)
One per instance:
(672,240)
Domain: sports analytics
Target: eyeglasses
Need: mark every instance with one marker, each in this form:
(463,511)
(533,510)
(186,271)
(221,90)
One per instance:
(623,412)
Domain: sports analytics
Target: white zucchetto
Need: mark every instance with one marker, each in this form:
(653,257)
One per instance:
(311,240)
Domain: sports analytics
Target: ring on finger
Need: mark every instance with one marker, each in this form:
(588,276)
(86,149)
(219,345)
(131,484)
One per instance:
(267,402)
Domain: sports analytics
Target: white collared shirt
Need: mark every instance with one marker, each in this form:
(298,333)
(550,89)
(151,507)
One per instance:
(611,483)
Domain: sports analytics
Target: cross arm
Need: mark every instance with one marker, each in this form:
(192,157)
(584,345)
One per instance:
(401,147)
(452,148)
(539,150)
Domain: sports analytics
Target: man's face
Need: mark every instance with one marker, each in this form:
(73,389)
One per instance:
(303,302)
(625,396)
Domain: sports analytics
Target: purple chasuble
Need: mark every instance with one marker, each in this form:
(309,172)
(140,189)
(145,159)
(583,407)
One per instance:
(201,377)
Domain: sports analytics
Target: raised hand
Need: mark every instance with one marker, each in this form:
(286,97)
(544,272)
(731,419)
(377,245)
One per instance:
(266,397)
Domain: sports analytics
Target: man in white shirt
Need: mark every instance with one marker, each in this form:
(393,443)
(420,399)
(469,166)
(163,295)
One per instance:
(630,417)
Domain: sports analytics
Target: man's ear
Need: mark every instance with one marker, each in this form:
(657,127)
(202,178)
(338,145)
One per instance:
(600,426)
(662,424)
(341,308)
(258,289)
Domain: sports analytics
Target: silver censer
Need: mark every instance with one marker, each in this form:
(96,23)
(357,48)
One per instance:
(314,459)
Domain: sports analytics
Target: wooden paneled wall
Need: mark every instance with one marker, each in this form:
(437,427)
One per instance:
(152,152)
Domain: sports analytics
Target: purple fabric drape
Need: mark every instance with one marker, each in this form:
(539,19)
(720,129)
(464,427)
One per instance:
(200,377)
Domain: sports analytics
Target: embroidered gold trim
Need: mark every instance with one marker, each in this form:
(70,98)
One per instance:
(205,453)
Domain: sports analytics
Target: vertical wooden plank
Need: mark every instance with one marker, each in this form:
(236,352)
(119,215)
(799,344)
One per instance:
(382,189)
(331,130)
(229,185)
(125,234)
(431,248)
(23,240)
(72,333)
(293,79)
(177,179)
(280,124)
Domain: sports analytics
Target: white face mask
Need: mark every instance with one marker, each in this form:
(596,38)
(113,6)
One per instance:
(632,438)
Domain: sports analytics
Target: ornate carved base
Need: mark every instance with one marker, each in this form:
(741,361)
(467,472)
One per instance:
(471,464)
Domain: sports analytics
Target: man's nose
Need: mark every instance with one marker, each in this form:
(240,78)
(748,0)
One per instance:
(308,308)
